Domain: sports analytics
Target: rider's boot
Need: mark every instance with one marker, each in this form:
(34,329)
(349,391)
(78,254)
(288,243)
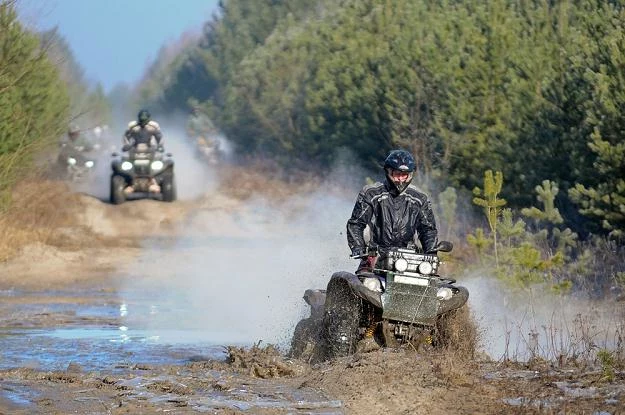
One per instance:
(368,343)
(154,187)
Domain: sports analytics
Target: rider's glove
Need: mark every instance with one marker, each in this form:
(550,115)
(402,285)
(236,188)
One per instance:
(371,260)
(357,251)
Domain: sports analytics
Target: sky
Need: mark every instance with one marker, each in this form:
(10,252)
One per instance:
(115,40)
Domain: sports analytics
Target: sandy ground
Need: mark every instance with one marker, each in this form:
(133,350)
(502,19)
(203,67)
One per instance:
(384,381)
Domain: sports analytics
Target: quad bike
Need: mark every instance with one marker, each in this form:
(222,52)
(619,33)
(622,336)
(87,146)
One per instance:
(79,167)
(402,300)
(145,172)
(75,162)
(208,149)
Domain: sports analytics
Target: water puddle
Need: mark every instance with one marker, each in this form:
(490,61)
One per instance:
(95,330)
(97,349)
(95,335)
(16,395)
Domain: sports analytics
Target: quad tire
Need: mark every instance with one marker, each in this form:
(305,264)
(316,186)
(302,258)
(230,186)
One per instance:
(456,331)
(118,184)
(168,188)
(305,339)
(342,313)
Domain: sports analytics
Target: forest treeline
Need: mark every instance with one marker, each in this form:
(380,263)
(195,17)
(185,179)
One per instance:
(531,89)
(42,91)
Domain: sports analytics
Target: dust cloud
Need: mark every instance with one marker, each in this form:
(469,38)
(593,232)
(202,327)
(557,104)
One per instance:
(235,272)
(524,324)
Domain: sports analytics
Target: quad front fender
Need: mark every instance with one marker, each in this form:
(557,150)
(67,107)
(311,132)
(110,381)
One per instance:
(358,288)
(459,298)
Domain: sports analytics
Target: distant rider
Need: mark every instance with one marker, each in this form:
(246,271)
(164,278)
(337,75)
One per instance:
(73,146)
(396,212)
(202,131)
(75,141)
(143,131)
(199,124)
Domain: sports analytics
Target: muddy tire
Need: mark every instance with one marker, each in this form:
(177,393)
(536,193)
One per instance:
(456,332)
(118,184)
(342,313)
(305,339)
(168,188)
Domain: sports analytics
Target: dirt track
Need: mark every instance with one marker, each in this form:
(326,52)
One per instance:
(258,381)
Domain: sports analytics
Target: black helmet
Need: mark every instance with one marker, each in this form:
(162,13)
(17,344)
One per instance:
(399,161)
(143,117)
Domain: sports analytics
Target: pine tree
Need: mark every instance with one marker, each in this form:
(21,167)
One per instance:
(490,201)
(33,100)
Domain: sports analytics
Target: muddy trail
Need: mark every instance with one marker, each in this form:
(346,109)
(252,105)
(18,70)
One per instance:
(188,307)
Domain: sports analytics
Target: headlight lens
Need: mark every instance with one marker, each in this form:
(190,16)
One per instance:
(89,164)
(71,161)
(126,165)
(444,293)
(401,265)
(425,268)
(157,165)
(373,284)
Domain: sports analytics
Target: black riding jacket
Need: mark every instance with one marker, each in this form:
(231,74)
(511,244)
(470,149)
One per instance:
(394,220)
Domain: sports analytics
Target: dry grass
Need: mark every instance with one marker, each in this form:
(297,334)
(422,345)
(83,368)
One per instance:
(40,211)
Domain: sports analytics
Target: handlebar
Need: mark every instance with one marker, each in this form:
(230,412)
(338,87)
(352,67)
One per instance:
(442,246)
(361,256)
(159,149)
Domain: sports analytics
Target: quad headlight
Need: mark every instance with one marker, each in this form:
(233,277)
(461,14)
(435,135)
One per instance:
(126,165)
(89,164)
(401,265)
(373,284)
(157,165)
(425,268)
(444,293)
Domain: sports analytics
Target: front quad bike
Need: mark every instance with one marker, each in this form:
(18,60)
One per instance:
(403,300)
(143,173)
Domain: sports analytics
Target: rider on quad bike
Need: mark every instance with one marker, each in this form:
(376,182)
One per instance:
(143,132)
(76,142)
(397,294)
(396,213)
(75,156)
